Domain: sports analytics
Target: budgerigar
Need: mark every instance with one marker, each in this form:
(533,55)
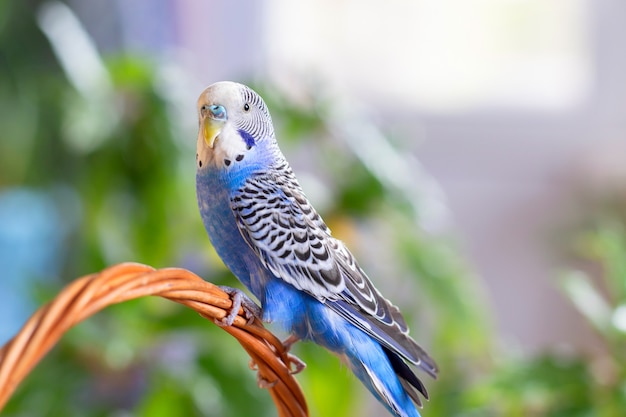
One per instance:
(268,234)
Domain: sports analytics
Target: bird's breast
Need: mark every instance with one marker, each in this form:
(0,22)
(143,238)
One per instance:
(213,194)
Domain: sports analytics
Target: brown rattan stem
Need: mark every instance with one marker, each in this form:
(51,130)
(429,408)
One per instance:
(92,293)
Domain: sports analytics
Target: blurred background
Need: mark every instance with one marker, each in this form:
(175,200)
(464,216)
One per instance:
(471,153)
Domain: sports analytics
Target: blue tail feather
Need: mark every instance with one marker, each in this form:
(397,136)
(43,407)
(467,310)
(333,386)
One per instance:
(407,377)
(373,365)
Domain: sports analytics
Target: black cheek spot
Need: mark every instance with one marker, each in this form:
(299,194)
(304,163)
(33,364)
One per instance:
(248,147)
(239,158)
(200,164)
(227,162)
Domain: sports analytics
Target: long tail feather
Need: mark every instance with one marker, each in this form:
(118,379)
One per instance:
(386,375)
(408,379)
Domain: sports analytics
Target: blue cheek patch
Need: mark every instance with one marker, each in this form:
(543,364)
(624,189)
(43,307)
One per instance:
(247,137)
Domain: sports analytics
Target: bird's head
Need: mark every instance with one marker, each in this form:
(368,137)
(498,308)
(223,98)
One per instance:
(233,120)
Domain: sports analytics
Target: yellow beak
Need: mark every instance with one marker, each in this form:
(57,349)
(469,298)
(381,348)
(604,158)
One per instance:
(211,128)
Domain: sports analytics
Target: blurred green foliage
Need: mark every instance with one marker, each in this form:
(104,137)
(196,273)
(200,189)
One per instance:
(133,180)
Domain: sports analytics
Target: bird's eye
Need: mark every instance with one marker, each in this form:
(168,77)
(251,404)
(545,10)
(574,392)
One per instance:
(246,107)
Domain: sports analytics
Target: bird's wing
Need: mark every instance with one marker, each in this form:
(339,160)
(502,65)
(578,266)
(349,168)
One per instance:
(294,243)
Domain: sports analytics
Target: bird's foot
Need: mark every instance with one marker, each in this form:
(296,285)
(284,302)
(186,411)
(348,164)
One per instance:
(260,381)
(240,300)
(264,383)
(295,364)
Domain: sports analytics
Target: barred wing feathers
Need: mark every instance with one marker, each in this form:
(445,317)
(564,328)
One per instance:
(294,243)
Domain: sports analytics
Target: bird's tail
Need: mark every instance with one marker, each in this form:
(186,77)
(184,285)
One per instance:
(387,376)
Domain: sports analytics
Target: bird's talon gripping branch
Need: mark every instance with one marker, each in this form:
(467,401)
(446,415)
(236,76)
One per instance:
(240,300)
(264,383)
(295,364)
(252,365)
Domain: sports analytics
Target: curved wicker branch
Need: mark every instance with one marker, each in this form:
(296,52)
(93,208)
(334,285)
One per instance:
(90,294)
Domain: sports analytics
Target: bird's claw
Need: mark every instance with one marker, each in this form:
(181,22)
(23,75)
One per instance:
(252,365)
(264,383)
(295,364)
(261,382)
(240,300)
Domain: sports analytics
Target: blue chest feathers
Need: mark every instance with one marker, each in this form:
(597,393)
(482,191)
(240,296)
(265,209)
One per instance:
(213,195)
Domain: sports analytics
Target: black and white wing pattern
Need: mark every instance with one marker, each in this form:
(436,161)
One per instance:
(294,243)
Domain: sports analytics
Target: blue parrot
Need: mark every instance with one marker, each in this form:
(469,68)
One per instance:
(268,234)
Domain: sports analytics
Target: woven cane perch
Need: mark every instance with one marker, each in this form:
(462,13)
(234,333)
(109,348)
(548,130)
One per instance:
(90,294)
